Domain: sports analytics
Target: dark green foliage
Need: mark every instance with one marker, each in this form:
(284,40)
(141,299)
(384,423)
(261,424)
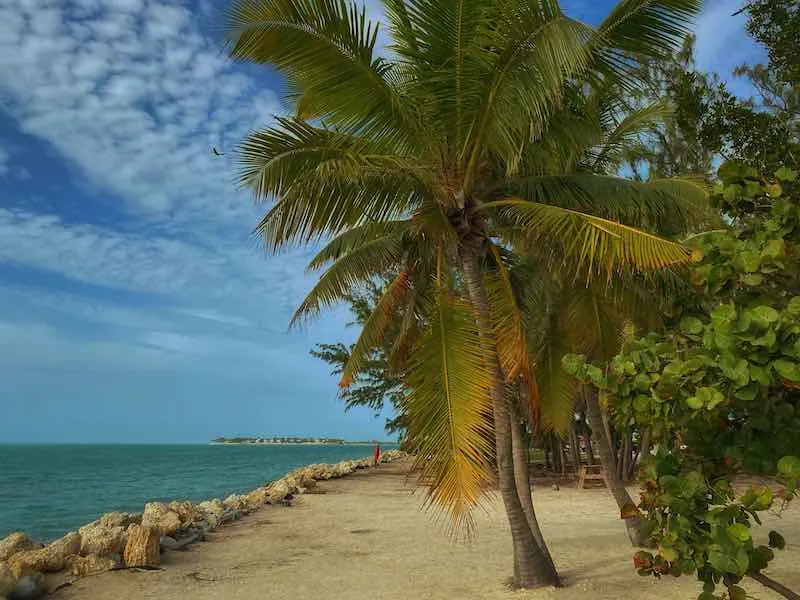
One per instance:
(720,391)
(776,24)
(378,381)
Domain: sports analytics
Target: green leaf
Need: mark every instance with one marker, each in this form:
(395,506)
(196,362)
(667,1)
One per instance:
(747,393)
(788,370)
(723,315)
(669,554)
(789,466)
(749,261)
(691,325)
(694,402)
(753,279)
(794,306)
(709,397)
(774,249)
(739,532)
(766,314)
(786,174)
(776,540)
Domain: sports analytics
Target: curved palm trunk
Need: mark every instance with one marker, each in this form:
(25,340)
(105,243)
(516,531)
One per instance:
(522,478)
(635,526)
(531,566)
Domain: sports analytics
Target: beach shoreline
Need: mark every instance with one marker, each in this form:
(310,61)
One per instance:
(366,537)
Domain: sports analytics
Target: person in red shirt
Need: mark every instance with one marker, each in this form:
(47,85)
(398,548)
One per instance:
(377,454)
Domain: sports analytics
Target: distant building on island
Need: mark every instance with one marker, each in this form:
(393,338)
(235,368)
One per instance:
(276,441)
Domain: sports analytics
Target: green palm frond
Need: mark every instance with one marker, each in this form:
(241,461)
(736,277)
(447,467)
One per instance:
(375,326)
(627,133)
(637,29)
(680,205)
(595,243)
(356,237)
(326,50)
(371,259)
(447,407)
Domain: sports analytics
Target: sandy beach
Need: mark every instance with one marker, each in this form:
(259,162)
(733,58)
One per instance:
(365,538)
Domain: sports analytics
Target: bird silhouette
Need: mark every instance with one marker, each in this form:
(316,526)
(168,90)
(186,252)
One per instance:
(217,152)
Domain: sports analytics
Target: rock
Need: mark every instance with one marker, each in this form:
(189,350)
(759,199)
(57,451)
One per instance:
(100,540)
(80,566)
(28,587)
(213,511)
(186,511)
(277,491)
(119,519)
(16,542)
(168,543)
(257,498)
(143,547)
(7,580)
(48,559)
(238,502)
(158,514)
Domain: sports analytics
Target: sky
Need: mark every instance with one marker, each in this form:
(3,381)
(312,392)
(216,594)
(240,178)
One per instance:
(135,306)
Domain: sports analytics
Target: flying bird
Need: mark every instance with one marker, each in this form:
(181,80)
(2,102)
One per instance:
(217,152)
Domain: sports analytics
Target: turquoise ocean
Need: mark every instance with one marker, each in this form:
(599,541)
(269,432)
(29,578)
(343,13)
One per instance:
(48,490)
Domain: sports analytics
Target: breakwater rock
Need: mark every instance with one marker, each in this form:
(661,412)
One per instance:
(136,540)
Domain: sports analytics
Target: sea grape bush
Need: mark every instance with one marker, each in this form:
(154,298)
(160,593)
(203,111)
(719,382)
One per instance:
(719,391)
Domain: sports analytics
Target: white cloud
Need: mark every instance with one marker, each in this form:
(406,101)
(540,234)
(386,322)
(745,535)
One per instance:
(135,96)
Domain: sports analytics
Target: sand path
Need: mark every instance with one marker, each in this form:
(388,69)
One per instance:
(366,539)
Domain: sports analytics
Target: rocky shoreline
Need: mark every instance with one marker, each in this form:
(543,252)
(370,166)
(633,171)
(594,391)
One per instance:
(136,540)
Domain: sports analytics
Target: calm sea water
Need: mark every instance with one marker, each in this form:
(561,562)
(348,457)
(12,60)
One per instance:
(46,491)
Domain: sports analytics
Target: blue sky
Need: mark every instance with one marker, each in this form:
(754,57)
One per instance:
(134,305)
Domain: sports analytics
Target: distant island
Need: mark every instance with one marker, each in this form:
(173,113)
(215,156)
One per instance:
(279,441)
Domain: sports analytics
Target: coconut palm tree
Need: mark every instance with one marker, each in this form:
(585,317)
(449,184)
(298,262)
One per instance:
(428,161)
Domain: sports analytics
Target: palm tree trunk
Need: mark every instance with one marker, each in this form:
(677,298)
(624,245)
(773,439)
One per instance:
(635,526)
(522,478)
(533,568)
(575,449)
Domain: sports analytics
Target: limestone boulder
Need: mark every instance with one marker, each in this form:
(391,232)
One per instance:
(101,540)
(238,501)
(143,548)
(119,519)
(81,566)
(49,559)
(186,511)
(16,542)
(7,580)
(213,512)
(277,491)
(158,514)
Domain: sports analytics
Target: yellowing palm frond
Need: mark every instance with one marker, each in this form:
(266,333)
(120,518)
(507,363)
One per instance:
(356,237)
(447,410)
(596,244)
(510,335)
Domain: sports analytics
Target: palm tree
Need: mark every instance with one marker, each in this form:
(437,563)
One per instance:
(430,162)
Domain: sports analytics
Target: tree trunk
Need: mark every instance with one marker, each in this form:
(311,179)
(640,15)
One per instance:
(589,450)
(533,567)
(627,451)
(575,449)
(522,478)
(607,460)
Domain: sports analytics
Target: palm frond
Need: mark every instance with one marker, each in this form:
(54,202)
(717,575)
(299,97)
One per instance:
(595,243)
(365,262)
(447,407)
(668,205)
(510,335)
(326,49)
(640,30)
(356,237)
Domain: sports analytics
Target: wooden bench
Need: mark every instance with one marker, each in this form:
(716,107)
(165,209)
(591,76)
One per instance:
(591,473)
